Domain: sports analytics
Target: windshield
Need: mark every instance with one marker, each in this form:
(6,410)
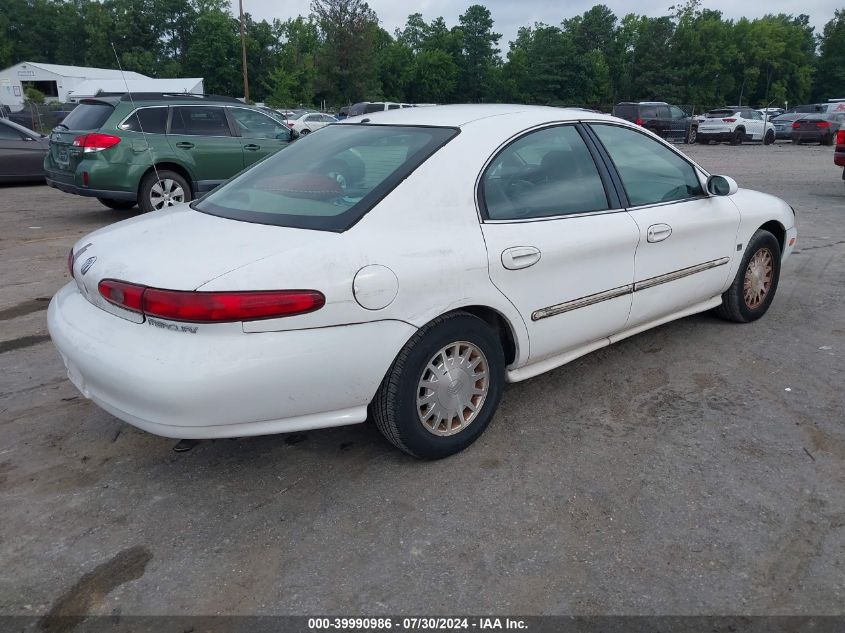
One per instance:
(327,180)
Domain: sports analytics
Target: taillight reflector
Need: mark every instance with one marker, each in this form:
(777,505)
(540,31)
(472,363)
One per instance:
(210,307)
(728,120)
(823,124)
(639,121)
(95,142)
(796,124)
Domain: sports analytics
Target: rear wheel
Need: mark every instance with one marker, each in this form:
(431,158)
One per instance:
(118,205)
(756,281)
(770,138)
(443,388)
(827,140)
(305,131)
(736,138)
(795,141)
(161,189)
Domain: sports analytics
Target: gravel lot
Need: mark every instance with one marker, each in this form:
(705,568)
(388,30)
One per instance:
(698,468)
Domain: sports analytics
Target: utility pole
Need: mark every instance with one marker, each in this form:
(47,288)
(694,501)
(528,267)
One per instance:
(243,52)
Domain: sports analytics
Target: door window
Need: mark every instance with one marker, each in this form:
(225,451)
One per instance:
(9,134)
(147,120)
(650,171)
(199,121)
(677,113)
(252,124)
(545,173)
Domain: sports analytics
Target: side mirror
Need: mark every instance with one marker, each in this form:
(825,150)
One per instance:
(721,186)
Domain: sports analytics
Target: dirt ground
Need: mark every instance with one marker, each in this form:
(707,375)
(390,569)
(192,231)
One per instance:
(698,468)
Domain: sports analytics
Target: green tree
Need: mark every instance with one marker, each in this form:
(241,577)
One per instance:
(479,52)
(830,69)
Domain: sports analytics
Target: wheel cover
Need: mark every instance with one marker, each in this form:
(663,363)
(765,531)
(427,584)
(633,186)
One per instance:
(692,135)
(758,278)
(166,193)
(453,388)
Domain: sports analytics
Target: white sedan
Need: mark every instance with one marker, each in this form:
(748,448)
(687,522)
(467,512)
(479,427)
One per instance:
(310,122)
(404,270)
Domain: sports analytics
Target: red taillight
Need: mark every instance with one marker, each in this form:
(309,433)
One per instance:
(210,307)
(95,142)
(70,263)
(638,121)
(796,125)
(840,137)
(728,120)
(122,294)
(823,124)
(290,124)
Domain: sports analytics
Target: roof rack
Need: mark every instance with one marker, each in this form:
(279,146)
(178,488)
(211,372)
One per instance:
(155,96)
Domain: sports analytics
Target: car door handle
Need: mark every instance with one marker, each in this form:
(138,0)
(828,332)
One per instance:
(658,232)
(252,147)
(184,145)
(518,257)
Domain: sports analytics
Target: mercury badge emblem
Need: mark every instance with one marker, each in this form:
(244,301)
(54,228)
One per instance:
(87,265)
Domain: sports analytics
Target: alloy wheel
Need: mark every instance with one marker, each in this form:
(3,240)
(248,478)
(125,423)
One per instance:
(166,193)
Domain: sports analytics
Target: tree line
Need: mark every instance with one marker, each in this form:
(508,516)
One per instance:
(339,54)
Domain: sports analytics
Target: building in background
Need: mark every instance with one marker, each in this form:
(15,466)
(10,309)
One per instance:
(94,87)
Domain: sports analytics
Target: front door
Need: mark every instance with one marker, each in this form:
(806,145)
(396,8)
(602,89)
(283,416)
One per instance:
(260,134)
(686,238)
(558,247)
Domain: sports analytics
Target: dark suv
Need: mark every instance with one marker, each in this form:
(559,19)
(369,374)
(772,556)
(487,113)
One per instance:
(667,121)
(156,150)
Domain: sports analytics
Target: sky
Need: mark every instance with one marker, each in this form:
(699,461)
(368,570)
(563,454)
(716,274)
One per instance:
(509,15)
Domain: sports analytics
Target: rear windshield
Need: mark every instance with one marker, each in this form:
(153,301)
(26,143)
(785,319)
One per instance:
(718,114)
(327,180)
(88,116)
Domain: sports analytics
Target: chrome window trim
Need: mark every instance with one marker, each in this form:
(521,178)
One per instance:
(564,216)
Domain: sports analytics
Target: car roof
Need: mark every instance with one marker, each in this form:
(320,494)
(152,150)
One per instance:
(463,115)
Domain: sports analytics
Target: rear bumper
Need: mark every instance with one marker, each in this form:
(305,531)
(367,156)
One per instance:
(809,136)
(221,381)
(714,136)
(63,185)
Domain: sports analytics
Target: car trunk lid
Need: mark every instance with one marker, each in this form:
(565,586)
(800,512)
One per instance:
(89,116)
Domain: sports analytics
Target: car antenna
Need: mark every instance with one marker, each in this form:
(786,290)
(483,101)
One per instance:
(135,112)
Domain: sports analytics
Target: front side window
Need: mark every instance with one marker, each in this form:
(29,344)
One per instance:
(651,172)
(252,124)
(373,107)
(199,121)
(543,174)
(326,181)
(677,113)
(147,120)
(7,133)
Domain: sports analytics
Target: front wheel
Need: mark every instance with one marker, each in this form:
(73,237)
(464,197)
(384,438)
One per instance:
(692,135)
(161,189)
(827,140)
(304,132)
(736,138)
(117,205)
(443,388)
(770,138)
(753,289)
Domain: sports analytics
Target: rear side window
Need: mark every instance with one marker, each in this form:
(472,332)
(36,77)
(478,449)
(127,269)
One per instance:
(626,111)
(373,107)
(326,181)
(651,172)
(147,120)
(649,112)
(199,121)
(543,174)
(88,116)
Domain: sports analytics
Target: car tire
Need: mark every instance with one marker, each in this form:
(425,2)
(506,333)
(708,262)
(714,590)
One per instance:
(753,289)
(691,136)
(117,205)
(161,189)
(736,138)
(409,412)
(827,140)
(305,131)
(770,138)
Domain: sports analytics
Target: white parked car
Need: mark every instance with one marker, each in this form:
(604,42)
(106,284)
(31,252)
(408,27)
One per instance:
(310,122)
(735,125)
(406,270)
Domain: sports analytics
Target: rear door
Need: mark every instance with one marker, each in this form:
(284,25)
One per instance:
(686,238)
(753,124)
(260,134)
(20,154)
(559,246)
(677,124)
(202,140)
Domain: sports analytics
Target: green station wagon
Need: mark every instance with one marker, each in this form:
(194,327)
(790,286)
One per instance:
(156,150)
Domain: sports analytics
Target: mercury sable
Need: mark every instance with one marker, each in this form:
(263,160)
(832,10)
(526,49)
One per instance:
(403,267)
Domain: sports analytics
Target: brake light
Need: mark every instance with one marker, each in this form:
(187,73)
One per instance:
(639,121)
(210,307)
(823,124)
(290,124)
(70,263)
(122,294)
(728,120)
(796,124)
(95,142)
(840,137)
